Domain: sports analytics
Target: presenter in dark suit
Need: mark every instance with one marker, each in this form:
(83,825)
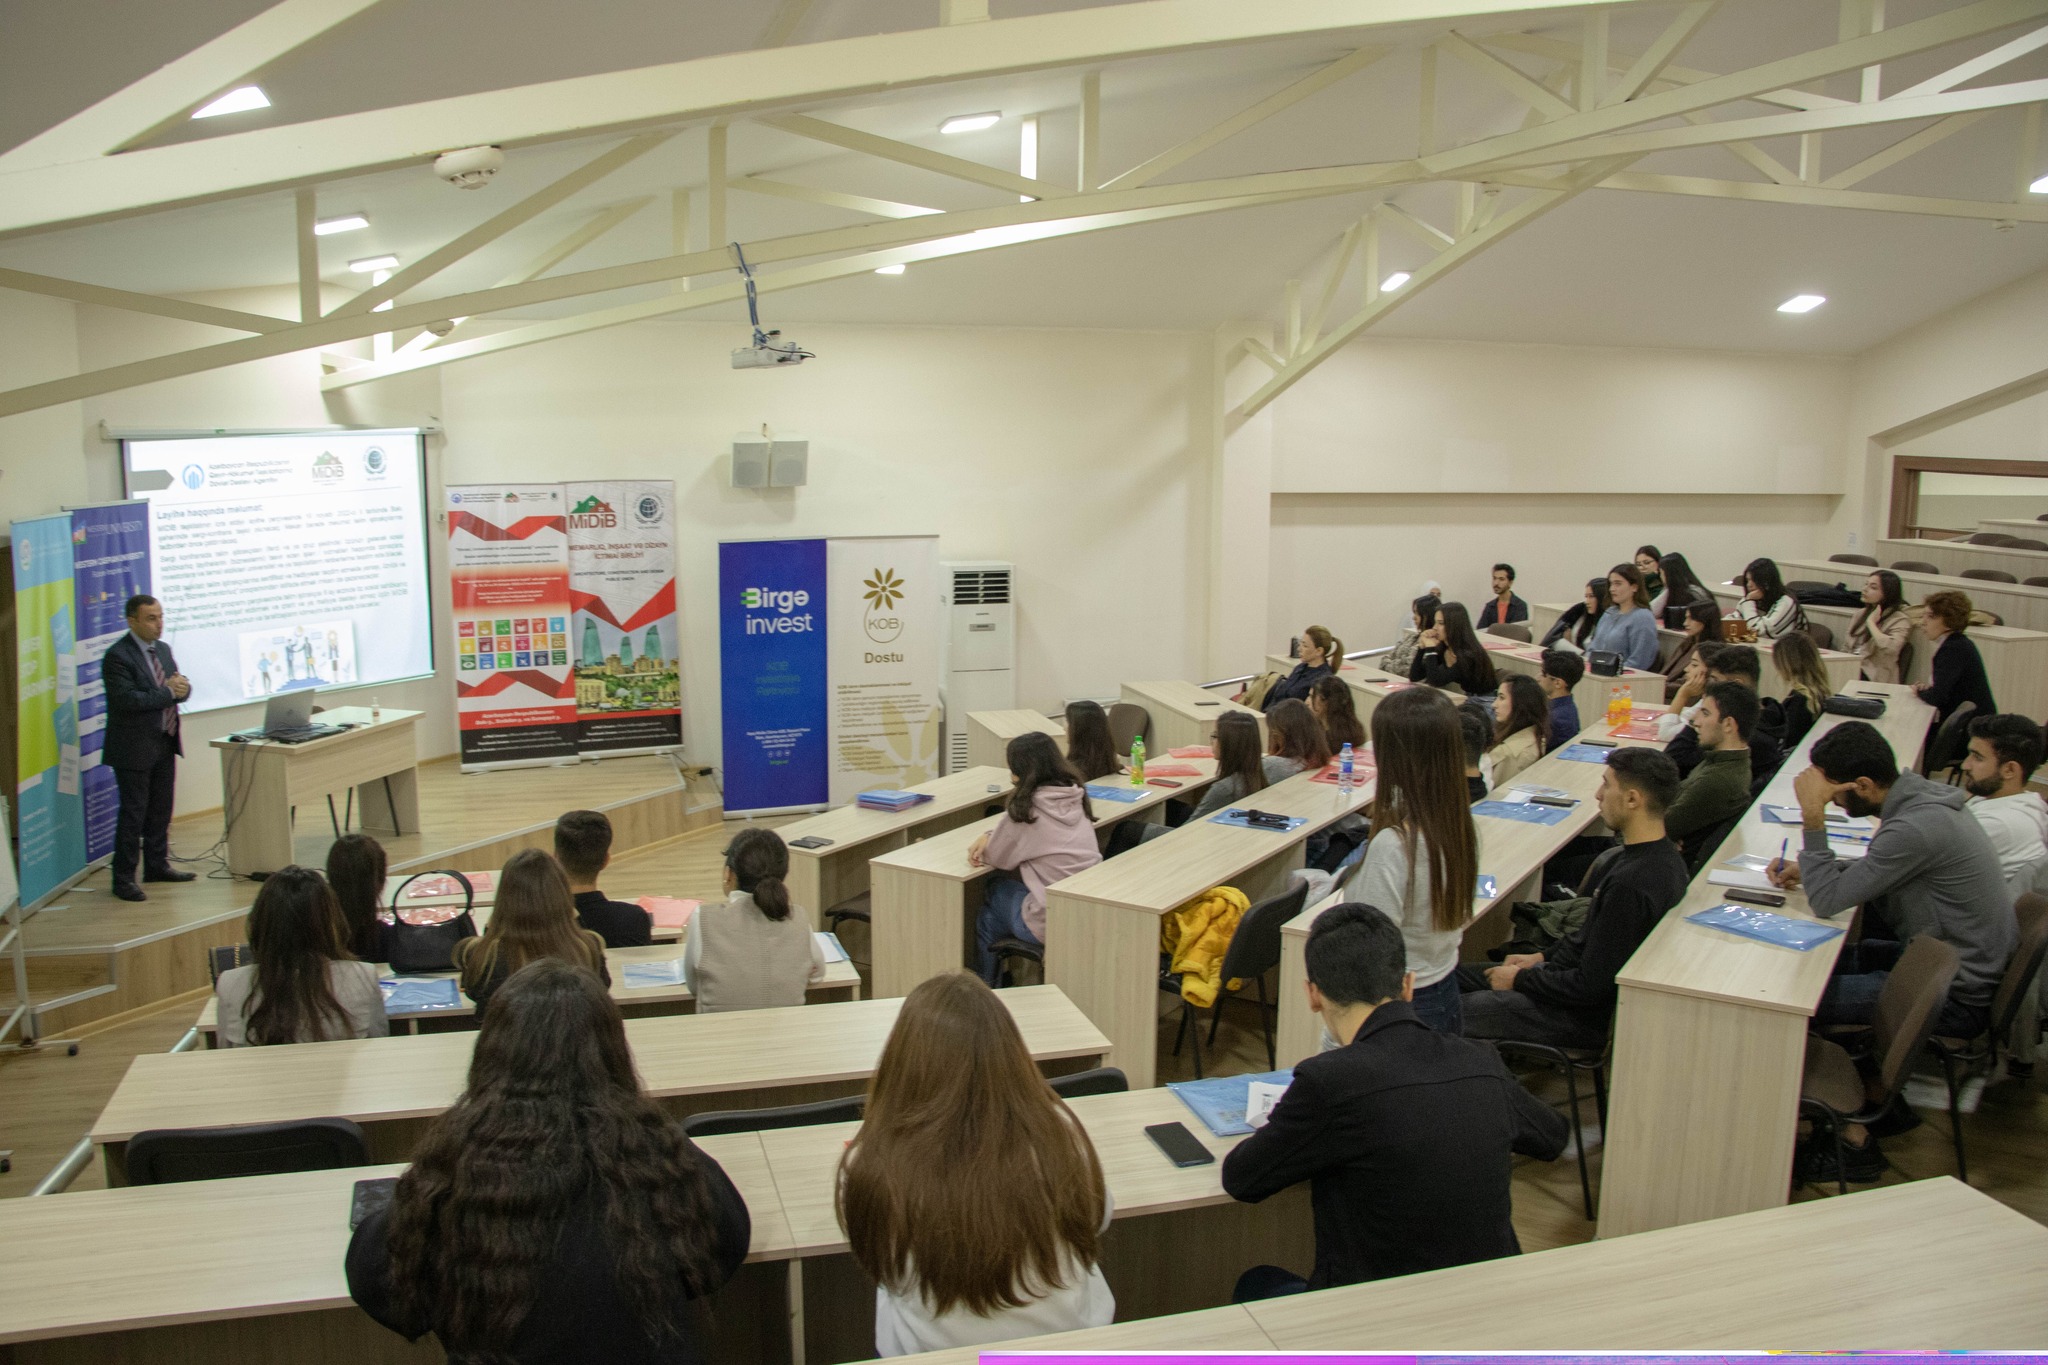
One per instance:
(143,745)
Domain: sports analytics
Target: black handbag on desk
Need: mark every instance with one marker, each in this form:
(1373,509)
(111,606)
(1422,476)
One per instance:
(1603,663)
(1860,707)
(429,947)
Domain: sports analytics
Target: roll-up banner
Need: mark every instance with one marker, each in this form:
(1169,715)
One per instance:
(46,713)
(109,564)
(508,569)
(829,669)
(622,627)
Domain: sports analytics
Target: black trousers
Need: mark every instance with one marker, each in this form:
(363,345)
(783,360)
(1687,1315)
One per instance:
(144,825)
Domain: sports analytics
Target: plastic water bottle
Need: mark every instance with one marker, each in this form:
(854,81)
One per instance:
(1616,696)
(376,710)
(1344,770)
(1138,761)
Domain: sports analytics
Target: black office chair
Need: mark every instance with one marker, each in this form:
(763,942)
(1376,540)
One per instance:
(1959,1055)
(1703,842)
(1128,720)
(860,908)
(1988,575)
(1512,630)
(1103,1080)
(2041,582)
(167,1156)
(844,1110)
(1997,540)
(1914,566)
(1870,560)
(1951,738)
(219,960)
(1571,1061)
(1015,949)
(2022,543)
(1254,950)
(1823,636)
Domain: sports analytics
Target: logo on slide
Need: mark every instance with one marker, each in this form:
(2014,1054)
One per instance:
(648,510)
(193,477)
(880,621)
(327,467)
(593,514)
(373,460)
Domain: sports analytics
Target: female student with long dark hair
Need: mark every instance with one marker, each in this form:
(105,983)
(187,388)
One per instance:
(1047,834)
(1576,625)
(355,869)
(1807,685)
(1521,725)
(1449,655)
(304,987)
(1243,768)
(1421,866)
(555,1213)
(1682,590)
(1322,654)
(534,916)
(1331,704)
(1702,625)
(757,950)
(1766,607)
(1626,628)
(1091,753)
(971,1195)
(1881,630)
(1649,562)
(1293,733)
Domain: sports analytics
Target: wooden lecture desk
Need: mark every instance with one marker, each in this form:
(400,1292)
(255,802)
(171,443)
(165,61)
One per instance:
(1590,696)
(1102,925)
(842,982)
(1369,685)
(745,1059)
(989,734)
(926,897)
(1954,556)
(2015,603)
(264,779)
(820,878)
(2035,529)
(1710,1034)
(1842,668)
(1183,714)
(253,1268)
(1511,852)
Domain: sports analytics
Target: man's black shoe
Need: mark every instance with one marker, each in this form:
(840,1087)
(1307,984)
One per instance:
(129,891)
(1897,1119)
(169,874)
(1860,1165)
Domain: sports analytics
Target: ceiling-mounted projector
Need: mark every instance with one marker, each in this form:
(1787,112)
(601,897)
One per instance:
(766,353)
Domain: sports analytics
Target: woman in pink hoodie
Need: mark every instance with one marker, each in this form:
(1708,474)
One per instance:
(1047,832)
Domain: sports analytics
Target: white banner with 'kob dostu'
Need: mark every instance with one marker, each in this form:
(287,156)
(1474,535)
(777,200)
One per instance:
(883,641)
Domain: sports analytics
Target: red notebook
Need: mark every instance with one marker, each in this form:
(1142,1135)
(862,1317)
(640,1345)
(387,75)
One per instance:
(670,912)
(1635,729)
(1361,773)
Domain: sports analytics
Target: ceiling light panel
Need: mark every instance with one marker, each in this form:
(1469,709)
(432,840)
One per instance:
(970,123)
(371,263)
(888,270)
(348,222)
(1393,281)
(237,101)
(1802,303)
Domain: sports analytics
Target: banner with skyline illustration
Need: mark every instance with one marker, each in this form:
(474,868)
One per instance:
(622,628)
(508,575)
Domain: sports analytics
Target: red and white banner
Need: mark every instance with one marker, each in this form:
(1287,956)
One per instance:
(508,569)
(622,630)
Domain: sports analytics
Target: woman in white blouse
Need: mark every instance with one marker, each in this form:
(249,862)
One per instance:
(303,987)
(1766,608)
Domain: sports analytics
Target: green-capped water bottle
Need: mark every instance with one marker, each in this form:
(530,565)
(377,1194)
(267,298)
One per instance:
(1137,760)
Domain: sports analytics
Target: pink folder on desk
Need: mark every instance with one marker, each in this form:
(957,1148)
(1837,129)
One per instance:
(1192,751)
(1635,729)
(670,912)
(1171,770)
(428,888)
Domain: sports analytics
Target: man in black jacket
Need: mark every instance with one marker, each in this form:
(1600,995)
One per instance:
(1566,996)
(142,746)
(1403,1133)
(583,846)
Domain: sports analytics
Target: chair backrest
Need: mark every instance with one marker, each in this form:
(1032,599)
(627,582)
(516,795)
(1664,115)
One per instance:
(1914,566)
(1255,947)
(1103,1080)
(847,1109)
(1992,538)
(1906,660)
(1950,740)
(219,960)
(1908,1006)
(1703,842)
(2041,582)
(2041,516)
(2031,909)
(1822,636)
(1128,720)
(1512,630)
(1988,575)
(1870,560)
(167,1156)
(2022,543)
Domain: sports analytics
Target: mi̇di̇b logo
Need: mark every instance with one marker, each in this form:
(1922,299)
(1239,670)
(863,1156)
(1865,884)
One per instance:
(880,620)
(327,467)
(593,513)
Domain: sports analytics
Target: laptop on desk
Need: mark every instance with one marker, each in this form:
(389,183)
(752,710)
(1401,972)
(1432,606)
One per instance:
(288,717)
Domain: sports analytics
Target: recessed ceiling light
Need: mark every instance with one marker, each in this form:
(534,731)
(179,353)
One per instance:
(236,101)
(2039,186)
(348,222)
(370,263)
(1393,281)
(888,270)
(1802,303)
(970,123)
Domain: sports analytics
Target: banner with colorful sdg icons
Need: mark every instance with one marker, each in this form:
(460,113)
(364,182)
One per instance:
(622,625)
(109,564)
(508,572)
(47,797)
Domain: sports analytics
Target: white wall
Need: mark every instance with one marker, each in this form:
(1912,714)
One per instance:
(40,468)
(1065,452)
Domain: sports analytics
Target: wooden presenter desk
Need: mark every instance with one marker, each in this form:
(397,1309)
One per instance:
(989,734)
(925,896)
(820,878)
(694,1062)
(262,780)
(1183,714)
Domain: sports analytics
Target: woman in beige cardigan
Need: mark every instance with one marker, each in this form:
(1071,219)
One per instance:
(1880,632)
(1521,723)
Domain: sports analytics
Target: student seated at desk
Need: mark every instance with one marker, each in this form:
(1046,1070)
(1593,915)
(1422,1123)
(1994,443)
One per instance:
(1717,789)
(1958,669)
(1807,685)
(1330,703)
(1243,769)
(1091,752)
(1649,562)
(583,846)
(1565,996)
(1475,727)
(1449,654)
(1503,608)
(1297,738)
(303,986)
(1882,629)
(356,870)
(1402,656)
(1562,670)
(1626,628)
(1572,629)
(1521,726)
(1682,592)
(1322,654)
(1422,862)
(971,1195)
(1047,834)
(2004,752)
(554,1213)
(533,917)
(1721,663)
(1766,608)
(1702,625)
(756,951)
(1405,1133)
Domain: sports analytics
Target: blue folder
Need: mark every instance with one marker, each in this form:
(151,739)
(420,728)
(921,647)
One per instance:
(1584,753)
(1102,791)
(1219,1101)
(1801,935)
(412,995)
(1236,817)
(1527,812)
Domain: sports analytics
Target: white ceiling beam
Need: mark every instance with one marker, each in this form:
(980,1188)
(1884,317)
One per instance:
(1285,98)
(2024,169)
(716,141)
(963,11)
(811,194)
(734,84)
(1425,116)
(77,292)
(1592,58)
(172,91)
(783,26)
(1968,71)
(1903,148)
(1088,152)
(1811,196)
(910,154)
(1754,156)
(1428,234)
(583,236)
(1537,45)
(498,224)
(1333,277)
(1600,132)
(1504,74)
(1261,352)
(308,243)
(1650,65)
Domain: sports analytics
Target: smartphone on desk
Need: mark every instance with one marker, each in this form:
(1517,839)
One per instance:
(810,841)
(1179,1144)
(1748,897)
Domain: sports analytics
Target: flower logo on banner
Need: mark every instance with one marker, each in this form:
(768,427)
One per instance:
(885,589)
(880,621)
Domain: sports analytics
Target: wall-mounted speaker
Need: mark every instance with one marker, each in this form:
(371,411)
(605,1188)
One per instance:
(750,460)
(789,464)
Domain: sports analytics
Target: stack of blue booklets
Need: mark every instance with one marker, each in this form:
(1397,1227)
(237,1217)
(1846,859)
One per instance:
(884,799)
(1219,1101)
(1802,935)
(1103,791)
(412,995)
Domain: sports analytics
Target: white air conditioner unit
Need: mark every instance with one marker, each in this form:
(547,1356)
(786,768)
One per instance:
(981,648)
